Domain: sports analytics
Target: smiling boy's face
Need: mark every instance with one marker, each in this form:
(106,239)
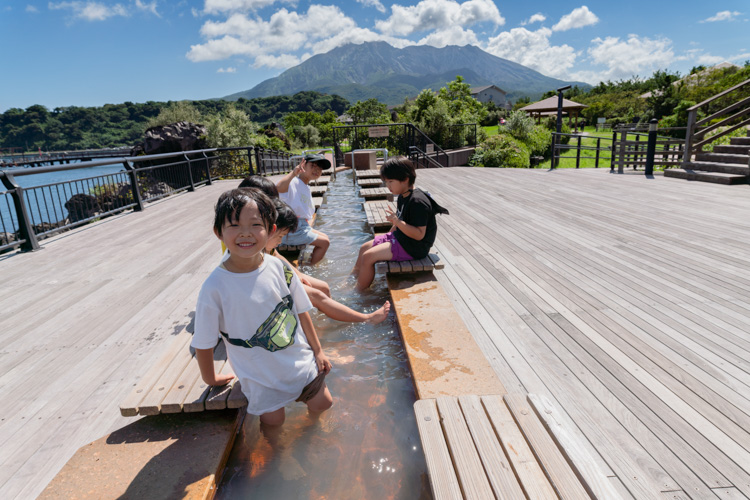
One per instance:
(312,171)
(246,237)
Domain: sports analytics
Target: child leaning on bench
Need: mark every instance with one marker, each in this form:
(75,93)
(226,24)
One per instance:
(413,227)
(260,308)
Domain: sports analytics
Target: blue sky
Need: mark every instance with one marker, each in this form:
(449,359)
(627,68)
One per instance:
(91,52)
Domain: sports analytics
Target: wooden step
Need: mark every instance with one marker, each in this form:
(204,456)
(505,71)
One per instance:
(718,167)
(741,159)
(739,140)
(741,149)
(698,175)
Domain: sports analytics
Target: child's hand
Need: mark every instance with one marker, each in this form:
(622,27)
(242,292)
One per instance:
(222,379)
(391,216)
(299,168)
(324,365)
(304,280)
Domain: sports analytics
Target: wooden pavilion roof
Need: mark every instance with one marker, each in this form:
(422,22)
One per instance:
(550,104)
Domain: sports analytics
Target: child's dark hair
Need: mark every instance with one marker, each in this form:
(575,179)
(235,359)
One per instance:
(232,202)
(285,217)
(398,168)
(262,183)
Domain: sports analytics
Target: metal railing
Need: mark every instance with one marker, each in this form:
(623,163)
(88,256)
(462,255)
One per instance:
(559,147)
(695,135)
(28,214)
(668,151)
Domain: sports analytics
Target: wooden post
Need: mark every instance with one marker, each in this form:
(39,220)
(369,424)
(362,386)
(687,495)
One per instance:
(598,144)
(689,137)
(621,161)
(578,153)
(651,148)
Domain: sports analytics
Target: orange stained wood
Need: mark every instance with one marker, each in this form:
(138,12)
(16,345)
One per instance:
(443,356)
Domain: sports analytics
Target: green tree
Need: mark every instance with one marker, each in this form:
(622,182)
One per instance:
(369,111)
(231,128)
(180,111)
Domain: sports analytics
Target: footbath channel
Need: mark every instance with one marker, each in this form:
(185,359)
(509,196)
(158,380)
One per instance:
(367,445)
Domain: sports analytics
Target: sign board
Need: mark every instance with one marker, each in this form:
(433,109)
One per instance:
(378,131)
(601,120)
(429,148)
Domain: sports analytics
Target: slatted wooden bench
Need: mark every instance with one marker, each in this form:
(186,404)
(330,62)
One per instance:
(376,213)
(323,180)
(429,263)
(504,446)
(370,183)
(365,174)
(375,193)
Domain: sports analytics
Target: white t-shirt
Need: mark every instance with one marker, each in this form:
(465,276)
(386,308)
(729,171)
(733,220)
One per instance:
(299,198)
(255,307)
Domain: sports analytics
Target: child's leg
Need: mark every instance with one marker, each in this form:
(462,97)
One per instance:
(321,401)
(362,249)
(273,418)
(320,247)
(340,312)
(367,264)
(318,284)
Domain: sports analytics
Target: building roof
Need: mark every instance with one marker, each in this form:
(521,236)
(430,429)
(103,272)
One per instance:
(476,90)
(550,104)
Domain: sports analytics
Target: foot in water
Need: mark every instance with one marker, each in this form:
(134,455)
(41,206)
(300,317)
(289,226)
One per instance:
(379,315)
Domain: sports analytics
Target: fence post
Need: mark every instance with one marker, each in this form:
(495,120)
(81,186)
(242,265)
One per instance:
(621,162)
(598,143)
(25,227)
(689,136)
(651,148)
(134,186)
(553,163)
(578,153)
(250,161)
(208,169)
(190,173)
(258,164)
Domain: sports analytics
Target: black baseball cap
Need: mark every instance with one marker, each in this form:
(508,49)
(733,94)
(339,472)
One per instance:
(321,160)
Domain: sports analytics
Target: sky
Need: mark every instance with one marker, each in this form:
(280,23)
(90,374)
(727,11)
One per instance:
(93,52)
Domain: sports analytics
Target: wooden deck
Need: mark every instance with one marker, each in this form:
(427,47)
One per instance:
(623,300)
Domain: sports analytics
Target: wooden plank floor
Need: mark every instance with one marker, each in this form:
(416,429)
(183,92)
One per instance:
(83,318)
(625,300)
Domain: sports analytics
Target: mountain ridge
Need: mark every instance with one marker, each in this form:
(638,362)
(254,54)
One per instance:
(376,69)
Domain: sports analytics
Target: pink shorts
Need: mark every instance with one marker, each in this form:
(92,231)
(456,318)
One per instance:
(398,252)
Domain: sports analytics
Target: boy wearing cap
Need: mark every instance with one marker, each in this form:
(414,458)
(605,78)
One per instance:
(294,190)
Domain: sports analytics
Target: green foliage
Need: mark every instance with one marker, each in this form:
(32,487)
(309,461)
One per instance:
(502,150)
(519,125)
(306,136)
(181,111)
(231,128)
(369,111)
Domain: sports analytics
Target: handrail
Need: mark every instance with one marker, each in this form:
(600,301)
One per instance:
(692,135)
(425,156)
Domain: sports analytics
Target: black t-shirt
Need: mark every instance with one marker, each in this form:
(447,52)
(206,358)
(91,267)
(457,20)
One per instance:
(416,210)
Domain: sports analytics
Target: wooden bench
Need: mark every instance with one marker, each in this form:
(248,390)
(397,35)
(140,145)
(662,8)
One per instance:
(365,174)
(370,183)
(376,213)
(429,263)
(323,180)
(375,193)
(504,446)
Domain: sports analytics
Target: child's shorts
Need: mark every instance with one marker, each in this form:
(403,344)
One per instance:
(397,250)
(312,388)
(304,235)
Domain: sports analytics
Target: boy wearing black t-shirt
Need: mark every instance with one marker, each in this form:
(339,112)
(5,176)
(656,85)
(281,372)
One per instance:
(413,227)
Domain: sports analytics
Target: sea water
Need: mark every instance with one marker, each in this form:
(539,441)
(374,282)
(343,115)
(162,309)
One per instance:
(367,445)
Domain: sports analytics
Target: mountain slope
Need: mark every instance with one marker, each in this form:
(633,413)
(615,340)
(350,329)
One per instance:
(376,69)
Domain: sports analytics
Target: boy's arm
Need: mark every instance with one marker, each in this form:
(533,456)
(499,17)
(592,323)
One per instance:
(205,358)
(324,365)
(283,184)
(413,232)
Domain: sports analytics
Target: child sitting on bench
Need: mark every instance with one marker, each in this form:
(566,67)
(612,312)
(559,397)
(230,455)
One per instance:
(413,227)
(259,307)
(295,192)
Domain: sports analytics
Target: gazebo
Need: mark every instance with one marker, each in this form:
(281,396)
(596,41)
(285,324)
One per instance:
(548,106)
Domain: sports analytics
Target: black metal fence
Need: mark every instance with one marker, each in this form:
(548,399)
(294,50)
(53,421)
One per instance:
(28,214)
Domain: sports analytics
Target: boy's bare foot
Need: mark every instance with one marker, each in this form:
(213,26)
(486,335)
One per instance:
(379,315)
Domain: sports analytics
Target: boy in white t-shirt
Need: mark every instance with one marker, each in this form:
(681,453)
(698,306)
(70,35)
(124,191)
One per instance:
(295,192)
(260,308)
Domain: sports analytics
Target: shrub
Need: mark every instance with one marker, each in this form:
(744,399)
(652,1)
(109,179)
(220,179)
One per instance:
(519,125)
(502,151)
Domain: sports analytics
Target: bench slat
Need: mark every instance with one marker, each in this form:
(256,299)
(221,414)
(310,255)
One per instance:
(217,398)
(528,471)
(196,398)
(151,404)
(562,477)
(236,398)
(174,399)
(443,478)
(496,464)
(474,483)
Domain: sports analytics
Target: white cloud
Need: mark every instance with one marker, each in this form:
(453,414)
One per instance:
(532,49)
(91,11)
(724,15)
(632,57)
(230,69)
(32,9)
(373,3)
(282,61)
(218,6)
(148,7)
(578,18)
(536,18)
(454,35)
(430,15)
(356,36)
